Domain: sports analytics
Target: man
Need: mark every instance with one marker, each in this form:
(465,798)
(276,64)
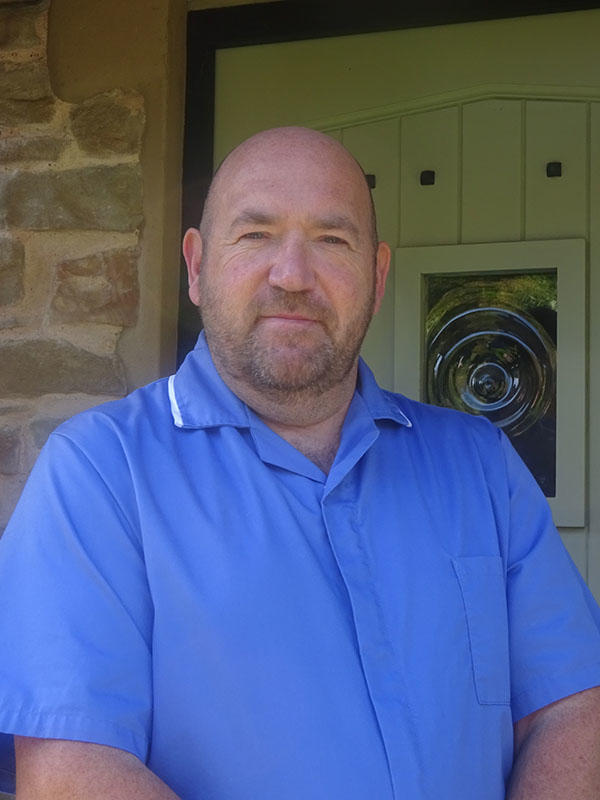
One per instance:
(266,578)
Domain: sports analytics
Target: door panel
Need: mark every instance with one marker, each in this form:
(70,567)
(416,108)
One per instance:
(556,207)
(491,171)
(429,213)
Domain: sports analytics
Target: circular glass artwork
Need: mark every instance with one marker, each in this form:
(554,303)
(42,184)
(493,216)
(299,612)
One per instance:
(490,349)
(493,361)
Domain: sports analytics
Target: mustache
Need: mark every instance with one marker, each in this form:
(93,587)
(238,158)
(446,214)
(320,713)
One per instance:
(277,301)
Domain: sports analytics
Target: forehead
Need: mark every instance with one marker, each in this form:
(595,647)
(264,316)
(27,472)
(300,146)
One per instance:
(295,178)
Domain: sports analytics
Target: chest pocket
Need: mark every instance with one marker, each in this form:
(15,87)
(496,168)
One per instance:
(481,580)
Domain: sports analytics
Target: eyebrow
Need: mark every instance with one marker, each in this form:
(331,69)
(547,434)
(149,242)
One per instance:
(339,222)
(252,216)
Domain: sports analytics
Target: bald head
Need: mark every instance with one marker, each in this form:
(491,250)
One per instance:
(288,147)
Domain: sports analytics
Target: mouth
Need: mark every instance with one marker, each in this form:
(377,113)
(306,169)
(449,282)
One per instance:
(287,318)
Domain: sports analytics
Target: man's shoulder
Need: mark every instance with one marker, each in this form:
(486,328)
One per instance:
(421,421)
(440,421)
(127,417)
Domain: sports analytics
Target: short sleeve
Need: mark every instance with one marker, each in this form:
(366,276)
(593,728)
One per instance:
(75,609)
(554,621)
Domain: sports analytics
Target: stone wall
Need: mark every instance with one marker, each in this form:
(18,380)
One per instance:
(70,220)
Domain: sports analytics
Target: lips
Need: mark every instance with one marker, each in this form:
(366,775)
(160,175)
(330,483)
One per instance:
(289,323)
(289,317)
(291,308)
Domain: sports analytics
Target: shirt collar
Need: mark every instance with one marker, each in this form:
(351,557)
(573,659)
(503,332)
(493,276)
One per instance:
(200,398)
(380,403)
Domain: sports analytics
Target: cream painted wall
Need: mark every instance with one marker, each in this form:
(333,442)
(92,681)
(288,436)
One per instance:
(96,45)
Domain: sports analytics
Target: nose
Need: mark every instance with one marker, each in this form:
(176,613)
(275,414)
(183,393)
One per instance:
(291,269)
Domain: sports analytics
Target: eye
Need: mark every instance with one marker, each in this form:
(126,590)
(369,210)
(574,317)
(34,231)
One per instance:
(329,239)
(254,235)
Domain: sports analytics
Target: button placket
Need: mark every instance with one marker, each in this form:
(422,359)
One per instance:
(381,666)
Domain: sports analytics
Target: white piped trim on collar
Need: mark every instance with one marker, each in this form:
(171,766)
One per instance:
(177,418)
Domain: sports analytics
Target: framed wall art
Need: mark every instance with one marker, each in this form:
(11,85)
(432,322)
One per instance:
(499,330)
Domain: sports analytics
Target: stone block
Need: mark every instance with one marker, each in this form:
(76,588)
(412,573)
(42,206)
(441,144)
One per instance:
(12,262)
(36,148)
(99,288)
(93,198)
(10,449)
(110,123)
(11,286)
(33,368)
(28,81)
(16,409)
(18,29)
(26,112)
(41,430)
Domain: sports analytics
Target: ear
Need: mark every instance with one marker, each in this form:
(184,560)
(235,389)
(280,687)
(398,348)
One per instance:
(382,267)
(192,252)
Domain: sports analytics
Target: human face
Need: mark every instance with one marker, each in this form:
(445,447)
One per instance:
(288,278)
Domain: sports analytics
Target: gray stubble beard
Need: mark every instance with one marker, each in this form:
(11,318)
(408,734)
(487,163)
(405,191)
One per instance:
(259,365)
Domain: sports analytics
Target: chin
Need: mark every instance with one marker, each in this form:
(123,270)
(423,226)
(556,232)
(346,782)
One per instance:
(315,371)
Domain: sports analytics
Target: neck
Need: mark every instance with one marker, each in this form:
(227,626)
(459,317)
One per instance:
(310,422)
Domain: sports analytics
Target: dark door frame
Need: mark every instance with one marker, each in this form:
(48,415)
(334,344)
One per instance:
(293,20)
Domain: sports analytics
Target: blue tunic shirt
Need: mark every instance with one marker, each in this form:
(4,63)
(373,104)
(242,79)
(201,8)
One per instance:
(180,582)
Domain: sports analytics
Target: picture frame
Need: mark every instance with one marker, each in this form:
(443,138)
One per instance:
(565,257)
